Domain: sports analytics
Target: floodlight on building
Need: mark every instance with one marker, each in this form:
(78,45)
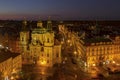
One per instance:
(43,62)
(113,61)
(94,64)
(12,78)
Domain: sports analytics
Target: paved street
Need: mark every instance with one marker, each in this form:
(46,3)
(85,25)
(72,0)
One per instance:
(36,72)
(70,67)
(70,70)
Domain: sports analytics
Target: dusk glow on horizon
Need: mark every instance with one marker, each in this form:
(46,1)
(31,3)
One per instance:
(60,9)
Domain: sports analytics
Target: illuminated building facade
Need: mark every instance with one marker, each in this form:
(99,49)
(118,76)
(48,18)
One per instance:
(39,45)
(116,41)
(10,63)
(99,51)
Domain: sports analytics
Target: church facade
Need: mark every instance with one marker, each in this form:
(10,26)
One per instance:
(39,45)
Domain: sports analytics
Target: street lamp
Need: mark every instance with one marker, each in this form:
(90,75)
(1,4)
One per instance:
(68,41)
(12,78)
(70,44)
(75,53)
(75,76)
(62,42)
(1,46)
(94,64)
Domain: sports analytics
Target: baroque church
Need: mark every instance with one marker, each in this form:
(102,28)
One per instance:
(39,45)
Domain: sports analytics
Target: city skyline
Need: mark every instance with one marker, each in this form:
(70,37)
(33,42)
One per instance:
(60,10)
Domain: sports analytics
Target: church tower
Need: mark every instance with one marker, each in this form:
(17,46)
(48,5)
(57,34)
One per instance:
(39,24)
(49,24)
(24,24)
(40,47)
(24,37)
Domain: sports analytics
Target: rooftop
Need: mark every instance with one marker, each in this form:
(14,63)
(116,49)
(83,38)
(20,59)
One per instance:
(96,40)
(39,30)
(6,54)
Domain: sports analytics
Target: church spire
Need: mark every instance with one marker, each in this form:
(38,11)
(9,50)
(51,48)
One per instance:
(49,24)
(24,24)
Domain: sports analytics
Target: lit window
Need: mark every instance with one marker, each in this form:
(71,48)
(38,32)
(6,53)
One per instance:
(22,39)
(57,55)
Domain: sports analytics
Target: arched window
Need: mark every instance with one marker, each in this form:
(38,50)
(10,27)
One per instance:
(42,48)
(57,55)
(48,40)
(22,39)
(47,54)
(47,61)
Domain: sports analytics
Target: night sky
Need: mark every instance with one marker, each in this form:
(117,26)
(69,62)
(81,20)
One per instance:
(60,9)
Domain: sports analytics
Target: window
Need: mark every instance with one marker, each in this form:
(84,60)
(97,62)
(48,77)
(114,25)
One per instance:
(42,54)
(57,55)
(35,51)
(93,59)
(42,48)
(88,49)
(47,61)
(93,44)
(47,55)
(22,39)
(48,40)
